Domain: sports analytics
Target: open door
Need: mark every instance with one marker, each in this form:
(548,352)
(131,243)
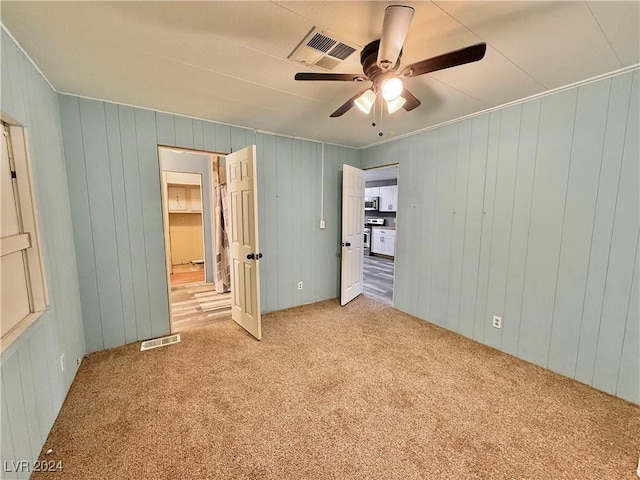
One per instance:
(242,185)
(352,233)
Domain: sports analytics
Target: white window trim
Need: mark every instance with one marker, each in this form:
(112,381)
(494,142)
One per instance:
(37,287)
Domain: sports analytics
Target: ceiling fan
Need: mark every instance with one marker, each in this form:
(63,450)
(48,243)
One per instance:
(380,61)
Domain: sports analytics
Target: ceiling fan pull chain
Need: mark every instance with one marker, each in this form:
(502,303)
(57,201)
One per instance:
(373,124)
(381,109)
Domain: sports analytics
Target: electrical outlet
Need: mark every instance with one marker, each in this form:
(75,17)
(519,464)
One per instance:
(300,285)
(497,321)
(62,362)
(322,224)
(78,362)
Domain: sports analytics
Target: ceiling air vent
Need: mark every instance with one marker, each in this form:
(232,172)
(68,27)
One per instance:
(341,51)
(321,50)
(321,42)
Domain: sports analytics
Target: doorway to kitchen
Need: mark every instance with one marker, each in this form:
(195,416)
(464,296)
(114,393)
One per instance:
(381,205)
(195,237)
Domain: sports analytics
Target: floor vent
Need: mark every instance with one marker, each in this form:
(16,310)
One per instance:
(159,342)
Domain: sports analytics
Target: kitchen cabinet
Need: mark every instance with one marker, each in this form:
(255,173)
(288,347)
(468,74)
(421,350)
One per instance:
(383,241)
(388,199)
(372,192)
(184,199)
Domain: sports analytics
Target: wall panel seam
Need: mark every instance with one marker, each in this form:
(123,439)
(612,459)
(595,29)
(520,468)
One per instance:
(144,240)
(626,323)
(526,249)
(126,202)
(452,223)
(33,382)
(3,394)
(482,227)
(26,431)
(115,227)
(464,226)
(86,180)
(493,210)
(564,215)
(593,228)
(513,206)
(613,225)
(434,224)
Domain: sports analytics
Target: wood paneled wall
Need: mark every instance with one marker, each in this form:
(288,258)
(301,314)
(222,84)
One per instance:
(33,385)
(114,186)
(529,213)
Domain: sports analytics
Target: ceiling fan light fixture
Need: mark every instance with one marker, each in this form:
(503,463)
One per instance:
(365,101)
(391,88)
(395,104)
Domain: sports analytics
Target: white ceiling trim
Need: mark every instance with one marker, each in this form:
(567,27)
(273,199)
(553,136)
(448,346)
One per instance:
(615,73)
(28,57)
(3,27)
(580,83)
(546,93)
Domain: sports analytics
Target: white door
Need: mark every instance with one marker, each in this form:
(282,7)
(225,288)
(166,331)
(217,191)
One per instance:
(242,185)
(352,233)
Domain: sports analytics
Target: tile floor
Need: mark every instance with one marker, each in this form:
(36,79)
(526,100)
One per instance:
(378,278)
(197,304)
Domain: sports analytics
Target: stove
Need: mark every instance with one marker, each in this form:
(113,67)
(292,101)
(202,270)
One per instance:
(378,222)
(368,223)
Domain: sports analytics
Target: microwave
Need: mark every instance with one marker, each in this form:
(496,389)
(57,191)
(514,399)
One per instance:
(371,203)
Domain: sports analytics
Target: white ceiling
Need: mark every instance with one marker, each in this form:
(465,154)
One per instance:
(227,61)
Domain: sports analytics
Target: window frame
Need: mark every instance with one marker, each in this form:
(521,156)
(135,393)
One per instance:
(18,145)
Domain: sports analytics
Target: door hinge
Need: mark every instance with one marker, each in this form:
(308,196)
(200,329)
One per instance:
(13,174)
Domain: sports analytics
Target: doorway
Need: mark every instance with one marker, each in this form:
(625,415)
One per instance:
(381,205)
(191,182)
(186,230)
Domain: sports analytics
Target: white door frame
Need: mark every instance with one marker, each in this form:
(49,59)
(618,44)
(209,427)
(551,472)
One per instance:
(397,164)
(165,214)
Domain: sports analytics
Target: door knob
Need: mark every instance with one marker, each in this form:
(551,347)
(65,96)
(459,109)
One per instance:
(251,256)
(258,256)
(347,244)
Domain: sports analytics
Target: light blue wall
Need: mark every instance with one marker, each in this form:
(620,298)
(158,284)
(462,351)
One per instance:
(111,154)
(529,213)
(33,386)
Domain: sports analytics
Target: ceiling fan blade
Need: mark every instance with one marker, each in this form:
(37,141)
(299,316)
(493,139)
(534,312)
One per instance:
(345,107)
(411,101)
(334,77)
(395,27)
(447,60)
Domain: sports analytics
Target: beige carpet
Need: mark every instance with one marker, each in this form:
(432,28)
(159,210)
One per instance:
(357,392)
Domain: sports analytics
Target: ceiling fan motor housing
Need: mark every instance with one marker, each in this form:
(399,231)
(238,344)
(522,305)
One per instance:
(368,59)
